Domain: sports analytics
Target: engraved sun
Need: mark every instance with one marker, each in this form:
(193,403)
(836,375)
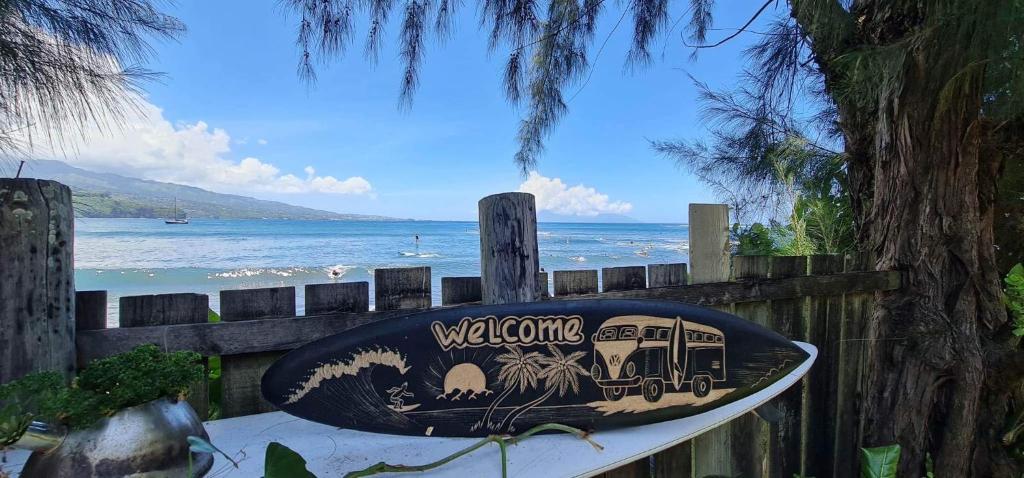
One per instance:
(464,379)
(459,376)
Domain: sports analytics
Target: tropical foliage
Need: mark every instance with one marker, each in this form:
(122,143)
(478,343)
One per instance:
(103,388)
(879,462)
(1015,297)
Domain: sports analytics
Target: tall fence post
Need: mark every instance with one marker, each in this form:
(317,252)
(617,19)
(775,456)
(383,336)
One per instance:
(709,262)
(509,260)
(37,282)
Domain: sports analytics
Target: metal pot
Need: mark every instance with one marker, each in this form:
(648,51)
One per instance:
(145,441)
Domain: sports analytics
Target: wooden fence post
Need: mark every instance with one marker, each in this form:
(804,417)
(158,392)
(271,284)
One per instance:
(666,275)
(623,278)
(849,389)
(337,297)
(170,309)
(575,282)
(784,445)
(509,261)
(749,432)
(460,290)
(823,323)
(401,288)
(241,374)
(37,281)
(709,262)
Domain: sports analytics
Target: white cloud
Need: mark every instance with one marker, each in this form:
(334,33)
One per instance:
(555,196)
(261,142)
(151,147)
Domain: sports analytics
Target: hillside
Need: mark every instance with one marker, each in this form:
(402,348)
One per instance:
(111,195)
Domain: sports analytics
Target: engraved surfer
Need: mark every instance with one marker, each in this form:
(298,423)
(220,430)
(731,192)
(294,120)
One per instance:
(398,396)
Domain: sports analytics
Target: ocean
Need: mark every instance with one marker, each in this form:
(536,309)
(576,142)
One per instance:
(145,256)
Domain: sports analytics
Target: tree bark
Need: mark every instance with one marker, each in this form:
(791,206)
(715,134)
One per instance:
(924,196)
(931,215)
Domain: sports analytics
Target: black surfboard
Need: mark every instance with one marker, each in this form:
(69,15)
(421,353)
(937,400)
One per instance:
(475,371)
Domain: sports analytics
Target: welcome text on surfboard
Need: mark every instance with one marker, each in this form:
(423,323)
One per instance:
(489,331)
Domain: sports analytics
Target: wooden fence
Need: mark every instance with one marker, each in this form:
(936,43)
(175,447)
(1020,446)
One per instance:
(825,300)
(818,299)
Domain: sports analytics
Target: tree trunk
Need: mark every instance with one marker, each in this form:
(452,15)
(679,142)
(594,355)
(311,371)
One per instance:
(931,345)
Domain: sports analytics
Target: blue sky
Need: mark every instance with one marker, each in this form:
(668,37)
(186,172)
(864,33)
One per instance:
(231,80)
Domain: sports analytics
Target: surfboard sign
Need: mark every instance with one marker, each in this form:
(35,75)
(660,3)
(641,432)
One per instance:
(475,371)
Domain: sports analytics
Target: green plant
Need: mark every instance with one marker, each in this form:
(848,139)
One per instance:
(283,462)
(754,240)
(879,462)
(1014,297)
(103,388)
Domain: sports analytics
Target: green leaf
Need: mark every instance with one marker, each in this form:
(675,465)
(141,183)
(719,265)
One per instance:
(282,462)
(879,462)
(200,445)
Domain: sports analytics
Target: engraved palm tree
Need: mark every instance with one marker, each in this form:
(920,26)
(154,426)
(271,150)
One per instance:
(520,370)
(561,373)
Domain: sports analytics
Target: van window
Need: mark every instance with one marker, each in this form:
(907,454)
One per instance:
(689,335)
(649,333)
(663,334)
(718,339)
(627,332)
(607,333)
(698,337)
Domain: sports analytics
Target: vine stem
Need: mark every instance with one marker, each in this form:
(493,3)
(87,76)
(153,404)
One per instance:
(502,440)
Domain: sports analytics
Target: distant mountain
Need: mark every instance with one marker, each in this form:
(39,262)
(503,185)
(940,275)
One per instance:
(548,216)
(112,195)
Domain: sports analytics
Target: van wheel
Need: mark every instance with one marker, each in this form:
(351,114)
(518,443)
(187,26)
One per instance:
(653,389)
(614,393)
(701,386)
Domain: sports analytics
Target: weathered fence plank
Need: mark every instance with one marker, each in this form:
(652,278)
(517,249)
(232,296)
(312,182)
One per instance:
(784,446)
(509,260)
(569,283)
(337,297)
(666,275)
(460,290)
(623,278)
(710,256)
(849,393)
(241,374)
(170,309)
(37,291)
(749,432)
(545,287)
(822,330)
(90,310)
(285,334)
(401,288)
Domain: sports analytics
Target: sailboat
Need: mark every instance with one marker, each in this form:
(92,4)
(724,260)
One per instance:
(176,219)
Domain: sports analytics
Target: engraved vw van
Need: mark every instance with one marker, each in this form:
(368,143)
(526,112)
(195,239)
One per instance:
(651,354)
